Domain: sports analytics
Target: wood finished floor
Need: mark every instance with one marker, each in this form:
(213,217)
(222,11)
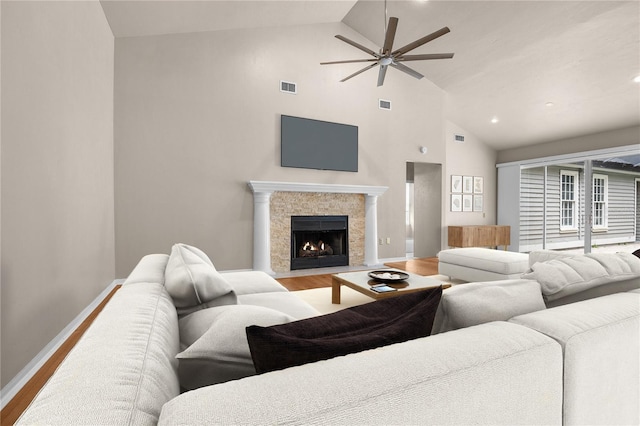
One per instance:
(15,407)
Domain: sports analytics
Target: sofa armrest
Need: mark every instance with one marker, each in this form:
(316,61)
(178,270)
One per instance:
(150,269)
(121,371)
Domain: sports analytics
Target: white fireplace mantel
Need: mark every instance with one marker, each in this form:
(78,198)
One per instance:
(270,187)
(262,191)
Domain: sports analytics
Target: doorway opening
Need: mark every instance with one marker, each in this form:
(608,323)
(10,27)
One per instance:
(423,209)
(409,213)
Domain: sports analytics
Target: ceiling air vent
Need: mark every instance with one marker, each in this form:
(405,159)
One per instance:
(382,104)
(458,138)
(288,87)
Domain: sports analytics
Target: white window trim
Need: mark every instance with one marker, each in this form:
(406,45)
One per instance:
(605,178)
(576,199)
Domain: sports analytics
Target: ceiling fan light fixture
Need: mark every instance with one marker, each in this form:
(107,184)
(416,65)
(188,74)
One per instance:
(389,57)
(494,120)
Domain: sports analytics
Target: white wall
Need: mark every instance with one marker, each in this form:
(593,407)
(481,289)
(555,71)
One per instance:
(197,116)
(471,158)
(57,170)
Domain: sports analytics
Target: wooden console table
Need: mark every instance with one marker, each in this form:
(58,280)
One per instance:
(480,236)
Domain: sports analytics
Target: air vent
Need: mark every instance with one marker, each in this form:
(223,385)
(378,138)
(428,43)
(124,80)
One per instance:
(458,138)
(288,87)
(382,104)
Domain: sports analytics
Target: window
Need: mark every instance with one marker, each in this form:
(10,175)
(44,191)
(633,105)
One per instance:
(600,190)
(568,199)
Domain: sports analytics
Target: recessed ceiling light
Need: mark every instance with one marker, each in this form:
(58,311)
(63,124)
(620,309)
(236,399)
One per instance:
(494,120)
(637,79)
(549,104)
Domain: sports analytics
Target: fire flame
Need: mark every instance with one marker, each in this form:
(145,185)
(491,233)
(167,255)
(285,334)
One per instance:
(312,247)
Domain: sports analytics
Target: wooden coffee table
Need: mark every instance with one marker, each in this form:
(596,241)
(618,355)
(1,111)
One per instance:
(361,282)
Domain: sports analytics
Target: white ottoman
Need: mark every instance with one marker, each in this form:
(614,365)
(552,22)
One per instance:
(482,264)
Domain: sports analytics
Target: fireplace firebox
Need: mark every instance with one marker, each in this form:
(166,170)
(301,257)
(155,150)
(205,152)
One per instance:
(319,241)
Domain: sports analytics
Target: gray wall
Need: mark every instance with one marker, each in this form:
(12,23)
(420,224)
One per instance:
(57,170)
(197,116)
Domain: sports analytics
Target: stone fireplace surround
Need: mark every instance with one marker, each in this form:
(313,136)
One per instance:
(263,254)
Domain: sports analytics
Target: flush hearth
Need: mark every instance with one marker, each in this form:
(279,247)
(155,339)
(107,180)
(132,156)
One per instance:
(319,241)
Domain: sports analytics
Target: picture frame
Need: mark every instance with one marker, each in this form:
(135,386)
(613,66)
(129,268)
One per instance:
(456,183)
(456,202)
(478,184)
(467,203)
(467,184)
(477,203)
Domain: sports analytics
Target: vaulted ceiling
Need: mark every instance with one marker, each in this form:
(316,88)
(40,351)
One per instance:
(545,70)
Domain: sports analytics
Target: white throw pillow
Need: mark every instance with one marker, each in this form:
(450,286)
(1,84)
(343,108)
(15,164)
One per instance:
(471,304)
(216,343)
(193,282)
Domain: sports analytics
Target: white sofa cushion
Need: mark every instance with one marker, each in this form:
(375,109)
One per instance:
(193,282)
(562,277)
(283,301)
(214,343)
(470,304)
(601,344)
(251,282)
(484,259)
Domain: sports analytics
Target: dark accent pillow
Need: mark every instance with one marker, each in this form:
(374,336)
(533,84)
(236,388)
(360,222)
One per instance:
(636,253)
(383,322)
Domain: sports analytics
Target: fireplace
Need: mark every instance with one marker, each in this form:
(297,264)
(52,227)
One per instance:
(319,241)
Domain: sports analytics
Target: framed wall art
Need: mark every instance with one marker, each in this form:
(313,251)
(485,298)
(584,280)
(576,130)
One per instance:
(478,184)
(456,183)
(456,202)
(467,184)
(477,203)
(467,203)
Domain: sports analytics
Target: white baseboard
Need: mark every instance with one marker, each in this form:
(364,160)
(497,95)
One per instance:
(13,387)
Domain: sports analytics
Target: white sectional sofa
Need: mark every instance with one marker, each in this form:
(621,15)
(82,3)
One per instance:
(571,364)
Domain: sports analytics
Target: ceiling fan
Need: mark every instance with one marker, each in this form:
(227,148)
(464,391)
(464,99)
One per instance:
(393,58)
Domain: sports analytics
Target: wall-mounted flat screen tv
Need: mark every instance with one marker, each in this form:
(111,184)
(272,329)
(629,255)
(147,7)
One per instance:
(314,144)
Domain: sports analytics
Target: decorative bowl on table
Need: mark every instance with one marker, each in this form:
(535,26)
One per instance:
(388,276)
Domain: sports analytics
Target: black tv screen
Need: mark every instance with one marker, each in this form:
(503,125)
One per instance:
(314,144)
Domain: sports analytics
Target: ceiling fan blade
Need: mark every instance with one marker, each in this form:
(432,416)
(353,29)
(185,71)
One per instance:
(407,70)
(348,62)
(368,67)
(390,35)
(424,57)
(381,74)
(357,45)
(420,42)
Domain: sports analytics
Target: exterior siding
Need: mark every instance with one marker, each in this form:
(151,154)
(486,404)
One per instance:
(621,210)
